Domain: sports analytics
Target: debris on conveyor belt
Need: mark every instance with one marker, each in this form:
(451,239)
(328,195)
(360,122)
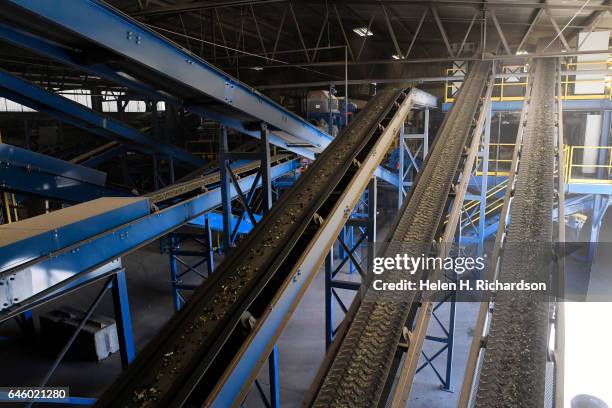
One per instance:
(167,371)
(513,371)
(361,367)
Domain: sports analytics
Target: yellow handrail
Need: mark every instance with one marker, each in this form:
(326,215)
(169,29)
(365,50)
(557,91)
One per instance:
(568,90)
(576,171)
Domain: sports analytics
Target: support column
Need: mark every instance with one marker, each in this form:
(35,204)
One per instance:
(604,137)
(401,190)
(484,181)
(329,302)
(123,318)
(426,134)
(371,228)
(274,379)
(600,205)
(266,179)
(174,271)
(211,251)
(226,200)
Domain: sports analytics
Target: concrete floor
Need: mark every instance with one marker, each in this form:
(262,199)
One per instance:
(301,347)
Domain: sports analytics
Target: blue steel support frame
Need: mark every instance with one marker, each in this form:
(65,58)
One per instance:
(447,341)
(228,178)
(35,97)
(51,50)
(89,253)
(180,266)
(407,169)
(484,186)
(118,286)
(123,317)
(367,227)
(34,173)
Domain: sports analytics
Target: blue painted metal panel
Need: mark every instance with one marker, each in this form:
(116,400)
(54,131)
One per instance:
(99,23)
(387,175)
(118,237)
(568,105)
(588,188)
(103,157)
(37,98)
(123,318)
(215,220)
(29,239)
(51,165)
(33,173)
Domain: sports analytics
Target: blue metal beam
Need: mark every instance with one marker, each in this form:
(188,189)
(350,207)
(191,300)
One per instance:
(34,173)
(103,157)
(283,138)
(576,188)
(568,105)
(51,50)
(215,220)
(63,252)
(104,26)
(37,98)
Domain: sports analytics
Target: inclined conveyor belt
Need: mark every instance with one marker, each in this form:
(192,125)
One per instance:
(513,371)
(176,361)
(361,367)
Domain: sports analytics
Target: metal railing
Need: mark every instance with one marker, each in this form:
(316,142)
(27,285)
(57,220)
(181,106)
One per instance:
(583,164)
(511,85)
(498,165)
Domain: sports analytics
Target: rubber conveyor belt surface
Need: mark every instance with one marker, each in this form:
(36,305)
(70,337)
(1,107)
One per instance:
(172,365)
(360,369)
(513,371)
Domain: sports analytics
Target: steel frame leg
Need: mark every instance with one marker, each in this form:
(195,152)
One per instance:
(448,343)
(123,318)
(329,303)
(347,256)
(226,200)
(274,379)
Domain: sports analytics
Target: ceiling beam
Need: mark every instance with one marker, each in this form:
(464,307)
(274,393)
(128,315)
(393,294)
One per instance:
(467,33)
(200,5)
(511,57)
(416,33)
(535,19)
(297,26)
(558,30)
(392,33)
(502,37)
(434,11)
(348,44)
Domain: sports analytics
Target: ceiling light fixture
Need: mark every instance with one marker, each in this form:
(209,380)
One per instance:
(362,31)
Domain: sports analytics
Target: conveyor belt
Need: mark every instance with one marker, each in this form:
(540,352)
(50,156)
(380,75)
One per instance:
(201,182)
(173,364)
(513,371)
(361,367)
